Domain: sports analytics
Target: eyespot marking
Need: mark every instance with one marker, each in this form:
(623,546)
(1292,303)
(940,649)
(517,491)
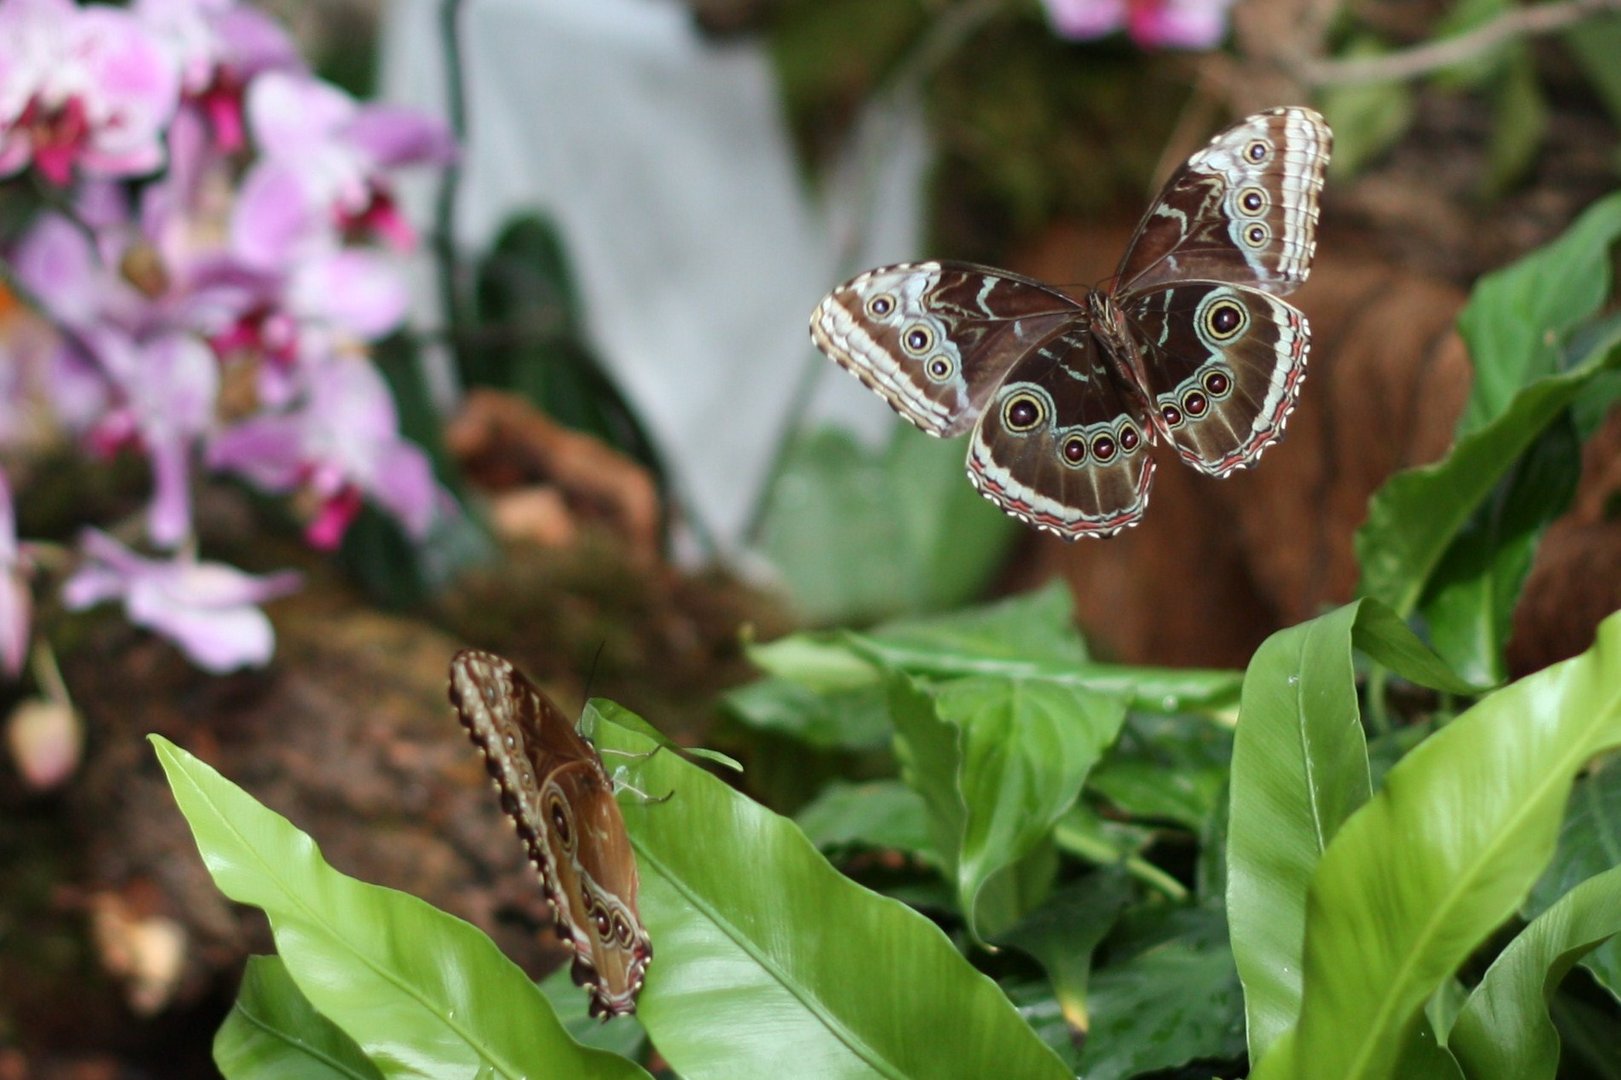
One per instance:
(918,339)
(1022,412)
(940,368)
(881,306)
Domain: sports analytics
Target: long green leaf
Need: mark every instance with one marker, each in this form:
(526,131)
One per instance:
(1589,844)
(1448,848)
(422,992)
(772,963)
(1504,1028)
(1418,514)
(1519,319)
(1300,769)
(273,1032)
(1013,754)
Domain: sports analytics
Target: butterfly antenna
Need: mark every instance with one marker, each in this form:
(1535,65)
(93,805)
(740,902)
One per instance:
(591,676)
(649,800)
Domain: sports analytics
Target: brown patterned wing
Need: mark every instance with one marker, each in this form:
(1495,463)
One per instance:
(1222,365)
(1242,210)
(1063,444)
(561,801)
(936,339)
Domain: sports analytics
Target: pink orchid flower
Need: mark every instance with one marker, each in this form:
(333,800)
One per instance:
(341,445)
(218,46)
(1152,24)
(208,609)
(83,88)
(337,153)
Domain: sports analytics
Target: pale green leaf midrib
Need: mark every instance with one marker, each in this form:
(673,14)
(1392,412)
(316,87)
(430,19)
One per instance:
(308,1050)
(857,1046)
(1441,913)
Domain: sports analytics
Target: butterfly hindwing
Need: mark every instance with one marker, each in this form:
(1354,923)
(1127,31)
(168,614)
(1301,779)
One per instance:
(1223,366)
(1242,210)
(935,339)
(1063,444)
(560,799)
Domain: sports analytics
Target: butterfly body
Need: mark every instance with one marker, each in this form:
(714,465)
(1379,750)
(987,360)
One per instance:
(1190,343)
(561,801)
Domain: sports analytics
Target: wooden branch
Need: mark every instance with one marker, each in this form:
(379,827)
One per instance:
(1434,56)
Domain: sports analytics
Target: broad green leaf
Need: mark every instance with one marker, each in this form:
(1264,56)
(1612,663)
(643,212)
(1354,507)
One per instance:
(1519,121)
(860,533)
(623,1036)
(876,814)
(1519,320)
(1589,844)
(1033,627)
(1172,1001)
(1063,931)
(1367,118)
(772,963)
(1415,880)
(422,992)
(1168,690)
(816,661)
(1030,635)
(1300,769)
(1595,44)
(1469,602)
(1166,768)
(998,761)
(1504,1029)
(1418,514)
(854,719)
(272,1032)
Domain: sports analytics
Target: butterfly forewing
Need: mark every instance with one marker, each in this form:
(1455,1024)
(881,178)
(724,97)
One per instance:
(1063,445)
(936,339)
(1223,367)
(1242,210)
(561,801)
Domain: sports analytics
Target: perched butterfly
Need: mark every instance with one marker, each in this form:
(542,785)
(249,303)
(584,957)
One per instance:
(557,793)
(1188,342)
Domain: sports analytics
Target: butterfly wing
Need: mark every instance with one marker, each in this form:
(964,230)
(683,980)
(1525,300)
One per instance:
(554,789)
(1063,444)
(1242,210)
(1222,365)
(597,881)
(936,339)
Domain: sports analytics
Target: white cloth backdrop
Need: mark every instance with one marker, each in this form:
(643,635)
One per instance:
(699,249)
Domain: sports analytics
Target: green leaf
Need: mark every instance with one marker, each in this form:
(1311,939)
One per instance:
(1416,517)
(1469,602)
(273,1031)
(1063,931)
(859,533)
(1166,768)
(997,761)
(883,814)
(1519,121)
(1415,880)
(1504,1029)
(1367,118)
(1589,844)
(771,962)
(423,993)
(855,719)
(1300,769)
(1029,635)
(1519,320)
(1595,44)
(623,1036)
(1175,1000)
